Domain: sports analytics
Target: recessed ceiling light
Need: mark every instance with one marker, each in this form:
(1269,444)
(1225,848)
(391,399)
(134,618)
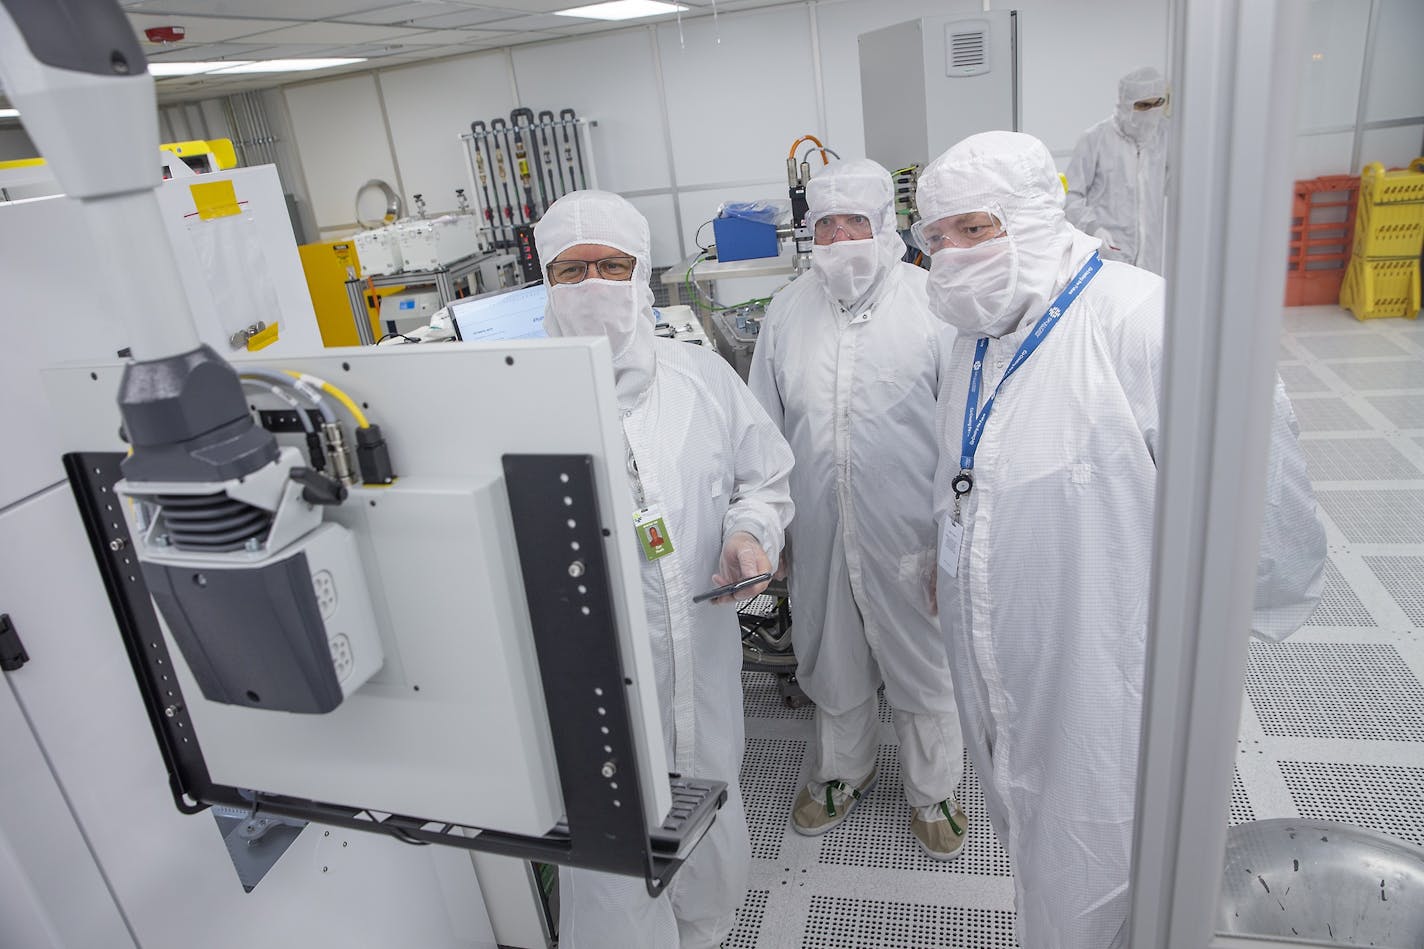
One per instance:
(622,10)
(193,68)
(284,65)
(9,113)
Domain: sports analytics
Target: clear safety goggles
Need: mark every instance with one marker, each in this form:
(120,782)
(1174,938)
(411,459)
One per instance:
(1147,105)
(959,230)
(828,226)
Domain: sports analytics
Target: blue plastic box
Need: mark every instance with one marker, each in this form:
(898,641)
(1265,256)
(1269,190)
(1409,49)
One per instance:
(740,239)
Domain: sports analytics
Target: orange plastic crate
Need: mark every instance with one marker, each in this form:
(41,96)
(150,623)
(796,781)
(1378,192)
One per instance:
(1322,235)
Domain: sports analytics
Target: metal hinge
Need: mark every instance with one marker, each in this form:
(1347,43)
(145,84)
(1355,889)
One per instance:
(12,651)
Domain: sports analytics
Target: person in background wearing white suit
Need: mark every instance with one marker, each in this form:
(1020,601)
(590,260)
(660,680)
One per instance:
(708,471)
(1117,180)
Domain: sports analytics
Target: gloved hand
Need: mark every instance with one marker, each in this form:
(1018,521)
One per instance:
(742,556)
(1109,242)
(783,566)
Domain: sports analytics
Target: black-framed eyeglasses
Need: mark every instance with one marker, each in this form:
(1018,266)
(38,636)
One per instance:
(576,271)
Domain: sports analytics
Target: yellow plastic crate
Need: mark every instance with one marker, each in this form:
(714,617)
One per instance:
(1375,289)
(1389,230)
(1392,187)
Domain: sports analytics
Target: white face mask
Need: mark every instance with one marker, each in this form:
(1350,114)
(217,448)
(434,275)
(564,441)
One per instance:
(972,288)
(595,307)
(848,267)
(1143,125)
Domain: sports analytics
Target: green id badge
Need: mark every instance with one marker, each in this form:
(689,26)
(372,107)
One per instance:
(652,535)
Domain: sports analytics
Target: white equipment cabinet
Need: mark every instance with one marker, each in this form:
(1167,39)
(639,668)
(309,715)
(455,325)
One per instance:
(93,852)
(928,83)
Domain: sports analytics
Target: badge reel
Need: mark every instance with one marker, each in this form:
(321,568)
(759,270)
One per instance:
(953,539)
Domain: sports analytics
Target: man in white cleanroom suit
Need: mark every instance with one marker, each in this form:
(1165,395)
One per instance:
(710,470)
(1117,180)
(848,364)
(1045,498)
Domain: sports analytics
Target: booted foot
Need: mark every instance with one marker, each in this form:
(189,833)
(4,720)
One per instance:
(940,829)
(817,811)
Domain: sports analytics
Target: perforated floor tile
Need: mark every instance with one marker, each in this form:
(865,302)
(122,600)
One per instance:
(770,769)
(1350,345)
(1390,516)
(762,699)
(1380,376)
(838,923)
(1385,798)
(1298,379)
(749,919)
(1356,459)
(1403,577)
(1334,690)
(1405,411)
(1240,810)
(1327,413)
(878,835)
(1339,605)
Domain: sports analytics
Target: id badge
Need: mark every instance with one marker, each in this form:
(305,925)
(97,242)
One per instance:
(653,535)
(950,544)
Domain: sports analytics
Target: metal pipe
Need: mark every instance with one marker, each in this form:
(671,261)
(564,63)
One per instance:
(230,114)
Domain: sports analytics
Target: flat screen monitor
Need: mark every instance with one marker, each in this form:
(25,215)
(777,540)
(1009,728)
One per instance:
(499,317)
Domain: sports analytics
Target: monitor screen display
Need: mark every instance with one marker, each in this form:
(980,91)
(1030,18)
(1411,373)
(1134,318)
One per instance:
(518,314)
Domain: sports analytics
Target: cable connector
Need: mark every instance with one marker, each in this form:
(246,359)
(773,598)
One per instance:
(317,488)
(337,453)
(373,457)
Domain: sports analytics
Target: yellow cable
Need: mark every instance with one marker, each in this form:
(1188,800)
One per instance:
(340,396)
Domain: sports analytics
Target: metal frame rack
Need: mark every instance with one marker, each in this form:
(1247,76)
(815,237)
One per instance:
(520,166)
(444,279)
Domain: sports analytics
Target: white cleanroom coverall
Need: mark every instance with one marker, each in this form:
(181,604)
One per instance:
(852,383)
(1044,604)
(1117,179)
(704,456)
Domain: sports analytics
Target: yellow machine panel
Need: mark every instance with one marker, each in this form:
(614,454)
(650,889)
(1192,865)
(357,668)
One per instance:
(328,265)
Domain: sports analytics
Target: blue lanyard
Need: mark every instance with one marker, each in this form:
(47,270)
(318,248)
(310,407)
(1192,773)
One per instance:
(974,421)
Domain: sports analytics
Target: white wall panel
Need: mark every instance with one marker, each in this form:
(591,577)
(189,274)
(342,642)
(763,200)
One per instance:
(1330,75)
(662,221)
(1317,155)
(1397,70)
(1392,147)
(611,78)
(342,141)
(1072,54)
(736,106)
(429,107)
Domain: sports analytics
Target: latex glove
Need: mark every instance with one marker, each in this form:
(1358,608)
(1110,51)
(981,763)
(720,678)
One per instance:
(742,556)
(783,566)
(1109,242)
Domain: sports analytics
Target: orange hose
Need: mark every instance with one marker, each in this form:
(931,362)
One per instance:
(809,138)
